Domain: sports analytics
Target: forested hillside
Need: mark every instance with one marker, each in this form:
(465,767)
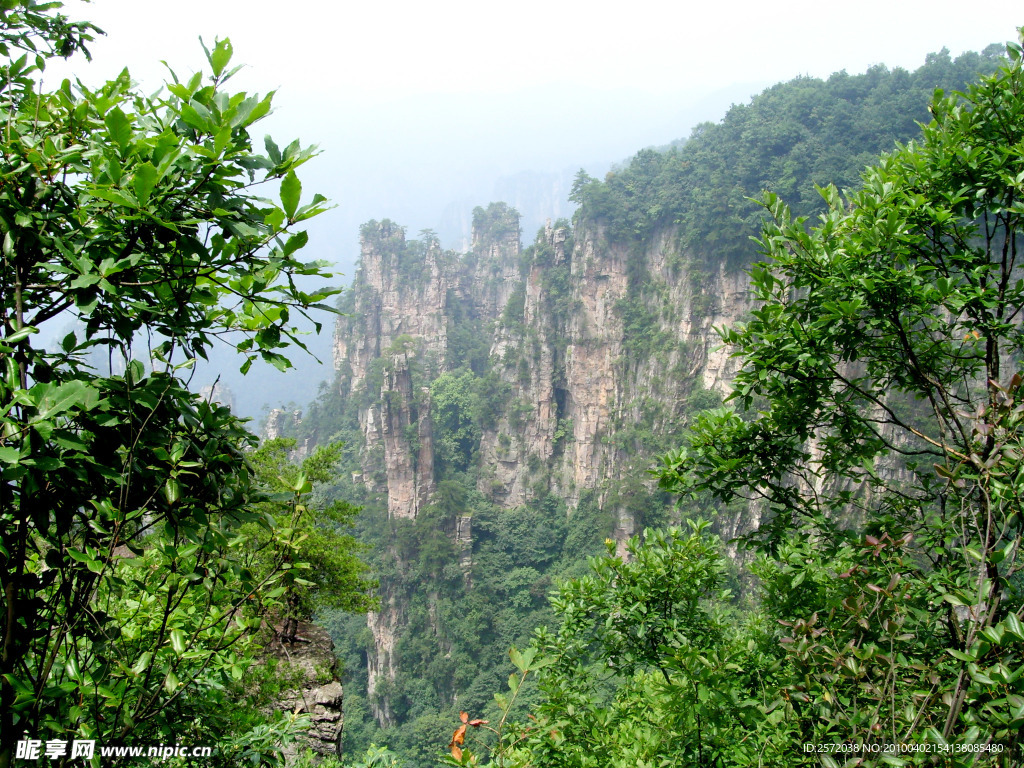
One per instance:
(501,409)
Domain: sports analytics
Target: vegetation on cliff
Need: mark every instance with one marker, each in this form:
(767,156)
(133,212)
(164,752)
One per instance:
(786,140)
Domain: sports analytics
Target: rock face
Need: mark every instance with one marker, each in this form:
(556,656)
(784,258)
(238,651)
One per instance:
(312,667)
(595,353)
(218,393)
(280,423)
(382,664)
(589,338)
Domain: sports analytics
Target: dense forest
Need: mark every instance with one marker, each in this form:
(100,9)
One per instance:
(724,472)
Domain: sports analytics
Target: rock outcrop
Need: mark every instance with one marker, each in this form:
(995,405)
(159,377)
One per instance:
(312,687)
(591,356)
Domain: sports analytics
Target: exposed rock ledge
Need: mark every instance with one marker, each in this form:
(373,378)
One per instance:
(317,690)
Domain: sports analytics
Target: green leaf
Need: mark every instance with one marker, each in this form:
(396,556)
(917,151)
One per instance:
(144,181)
(893,760)
(272,150)
(260,110)
(517,659)
(180,91)
(112,195)
(51,399)
(142,664)
(994,634)
(172,490)
(178,641)
(960,655)
(119,128)
(192,117)
(295,242)
(291,192)
(18,335)
(221,141)
(302,485)
(221,56)
(274,219)
(1014,626)
(136,370)
(171,682)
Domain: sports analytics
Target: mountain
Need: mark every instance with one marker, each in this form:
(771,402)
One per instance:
(501,407)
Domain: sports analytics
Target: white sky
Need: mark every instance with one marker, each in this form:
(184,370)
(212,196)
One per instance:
(421,106)
(418,103)
(316,47)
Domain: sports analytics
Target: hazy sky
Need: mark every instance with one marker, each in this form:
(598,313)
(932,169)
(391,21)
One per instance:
(315,48)
(455,88)
(417,104)
(421,108)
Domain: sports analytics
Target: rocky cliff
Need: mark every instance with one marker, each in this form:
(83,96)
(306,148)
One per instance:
(307,671)
(561,370)
(596,351)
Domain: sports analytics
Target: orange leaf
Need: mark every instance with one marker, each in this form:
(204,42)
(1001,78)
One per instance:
(477,723)
(459,736)
(464,717)
(456,752)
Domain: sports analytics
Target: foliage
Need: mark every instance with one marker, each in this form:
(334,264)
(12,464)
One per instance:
(406,258)
(496,222)
(643,669)
(467,346)
(641,335)
(453,404)
(457,755)
(320,565)
(127,595)
(875,361)
(374,757)
(453,644)
(790,137)
(377,757)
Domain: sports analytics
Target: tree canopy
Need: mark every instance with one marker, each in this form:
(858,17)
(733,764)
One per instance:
(128,600)
(878,416)
(787,139)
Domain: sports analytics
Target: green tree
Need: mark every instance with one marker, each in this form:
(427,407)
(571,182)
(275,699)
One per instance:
(453,403)
(788,138)
(642,669)
(879,418)
(126,596)
(306,540)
